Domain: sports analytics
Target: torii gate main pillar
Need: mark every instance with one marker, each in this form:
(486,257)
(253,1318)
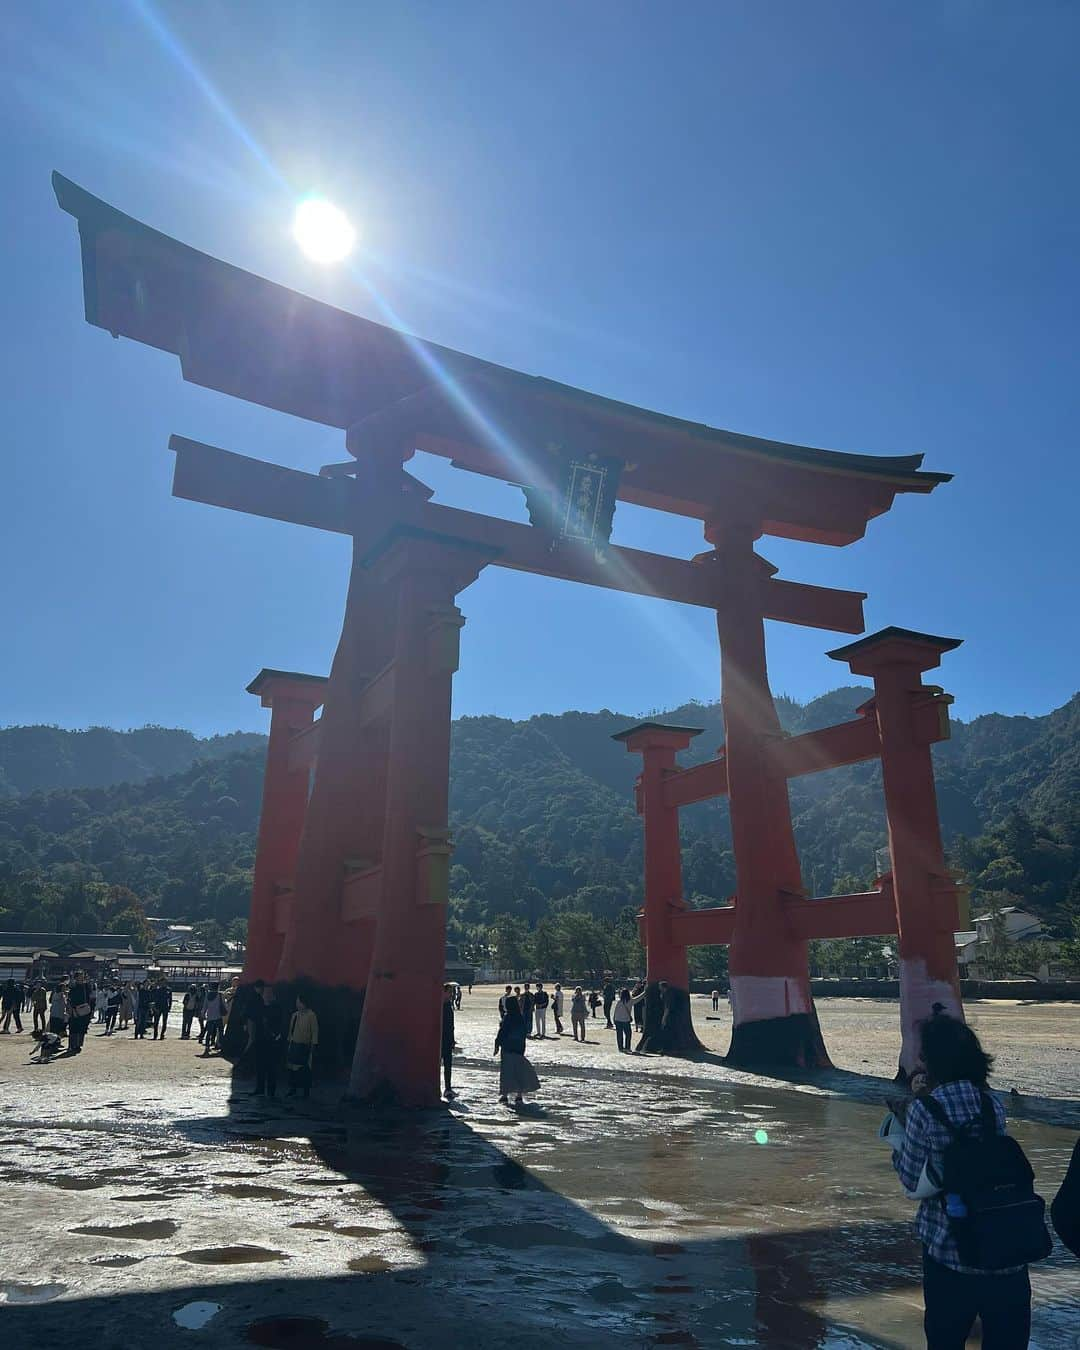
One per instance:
(773,1016)
(397,1050)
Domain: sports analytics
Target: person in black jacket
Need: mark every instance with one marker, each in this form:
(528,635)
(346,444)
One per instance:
(526,1004)
(448,993)
(162,1002)
(81,1012)
(265,1036)
(609,999)
(541,999)
(11,1005)
(1065,1210)
(516,1074)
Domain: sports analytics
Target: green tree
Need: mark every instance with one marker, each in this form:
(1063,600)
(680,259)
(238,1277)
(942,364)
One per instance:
(709,963)
(511,943)
(211,934)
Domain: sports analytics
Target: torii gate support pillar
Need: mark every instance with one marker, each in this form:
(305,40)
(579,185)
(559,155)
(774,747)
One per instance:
(668,1025)
(292,699)
(926,894)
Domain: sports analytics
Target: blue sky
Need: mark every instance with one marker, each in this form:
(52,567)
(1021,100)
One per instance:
(839,224)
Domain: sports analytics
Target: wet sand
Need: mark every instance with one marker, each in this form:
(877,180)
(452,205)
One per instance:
(631,1206)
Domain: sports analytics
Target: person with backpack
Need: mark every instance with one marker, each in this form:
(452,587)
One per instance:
(979,1220)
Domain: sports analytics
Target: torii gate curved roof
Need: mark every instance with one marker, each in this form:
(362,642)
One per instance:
(240,334)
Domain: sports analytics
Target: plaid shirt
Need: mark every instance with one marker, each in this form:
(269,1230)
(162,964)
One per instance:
(925,1141)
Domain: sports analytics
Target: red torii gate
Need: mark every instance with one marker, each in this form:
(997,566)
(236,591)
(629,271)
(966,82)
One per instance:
(351,880)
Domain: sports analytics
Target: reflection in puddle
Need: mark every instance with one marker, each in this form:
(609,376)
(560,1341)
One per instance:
(194,1316)
(30,1293)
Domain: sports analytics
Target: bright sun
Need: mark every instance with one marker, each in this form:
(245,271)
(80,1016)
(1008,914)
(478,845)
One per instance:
(322,230)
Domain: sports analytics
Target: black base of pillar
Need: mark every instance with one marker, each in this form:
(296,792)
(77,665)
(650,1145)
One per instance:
(337,1008)
(792,1042)
(669,1029)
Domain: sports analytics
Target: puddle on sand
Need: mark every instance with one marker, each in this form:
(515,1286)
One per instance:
(369,1265)
(115,1262)
(150,1195)
(30,1293)
(194,1316)
(246,1191)
(62,1183)
(231,1256)
(330,1226)
(311,1333)
(145,1231)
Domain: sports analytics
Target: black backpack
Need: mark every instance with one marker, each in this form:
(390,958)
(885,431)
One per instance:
(999,1220)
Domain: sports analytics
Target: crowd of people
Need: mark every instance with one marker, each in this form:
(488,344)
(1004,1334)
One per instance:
(64,1009)
(622,1008)
(523,1014)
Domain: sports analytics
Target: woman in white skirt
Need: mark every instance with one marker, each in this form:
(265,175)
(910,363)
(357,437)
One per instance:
(516,1074)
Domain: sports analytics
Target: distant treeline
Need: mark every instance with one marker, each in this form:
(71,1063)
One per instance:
(100,827)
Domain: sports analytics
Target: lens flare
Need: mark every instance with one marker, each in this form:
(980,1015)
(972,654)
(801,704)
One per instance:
(761,1137)
(323,230)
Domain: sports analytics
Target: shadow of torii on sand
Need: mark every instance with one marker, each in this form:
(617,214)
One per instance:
(627,1212)
(634,1210)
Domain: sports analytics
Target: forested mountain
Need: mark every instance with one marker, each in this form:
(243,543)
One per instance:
(542,813)
(33,758)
